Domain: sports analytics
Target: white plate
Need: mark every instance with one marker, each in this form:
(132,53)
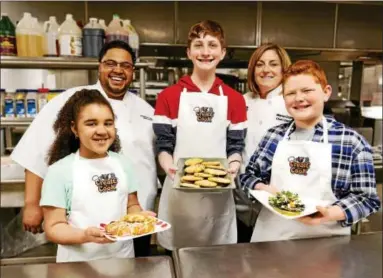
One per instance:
(263,197)
(161,226)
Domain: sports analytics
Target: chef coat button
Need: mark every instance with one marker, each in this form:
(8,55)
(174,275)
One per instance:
(269,102)
(260,122)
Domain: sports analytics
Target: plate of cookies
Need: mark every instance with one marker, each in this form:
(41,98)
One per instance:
(203,174)
(132,226)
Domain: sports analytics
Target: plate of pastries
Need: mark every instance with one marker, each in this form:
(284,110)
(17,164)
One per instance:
(203,174)
(133,225)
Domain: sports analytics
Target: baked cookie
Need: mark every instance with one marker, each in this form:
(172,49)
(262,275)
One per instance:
(219,167)
(220,180)
(206,183)
(193,161)
(190,185)
(133,217)
(203,175)
(215,172)
(209,163)
(194,169)
(191,178)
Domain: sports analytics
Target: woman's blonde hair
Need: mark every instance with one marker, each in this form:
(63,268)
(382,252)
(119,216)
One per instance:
(257,54)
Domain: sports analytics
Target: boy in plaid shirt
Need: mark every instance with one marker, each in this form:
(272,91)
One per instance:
(316,157)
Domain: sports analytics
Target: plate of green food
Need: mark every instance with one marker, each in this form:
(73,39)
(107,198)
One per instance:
(286,204)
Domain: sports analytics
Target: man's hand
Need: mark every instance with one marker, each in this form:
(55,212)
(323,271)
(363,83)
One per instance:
(32,218)
(323,215)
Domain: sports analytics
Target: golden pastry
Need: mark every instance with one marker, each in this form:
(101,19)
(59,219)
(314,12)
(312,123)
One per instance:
(191,185)
(191,178)
(193,161)
(134,217)
(215,172)
(203,175)
(219,167)
(220,180)
(194,169)
(206,183)
(209,163)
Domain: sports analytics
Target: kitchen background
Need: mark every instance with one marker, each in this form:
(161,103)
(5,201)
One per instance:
(344,37)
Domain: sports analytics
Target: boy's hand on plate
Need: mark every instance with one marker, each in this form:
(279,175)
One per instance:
(323,215)
(234,167)
(94,234)
(148,213)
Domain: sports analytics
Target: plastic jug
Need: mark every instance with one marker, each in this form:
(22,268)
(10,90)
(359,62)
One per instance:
(70,37)
(116,31)
(22,35)
(36,39)
(134,41)
(102,23)
(93,38)
(7,36)
(51,32)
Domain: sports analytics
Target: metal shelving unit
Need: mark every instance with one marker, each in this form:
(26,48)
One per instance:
(10,62)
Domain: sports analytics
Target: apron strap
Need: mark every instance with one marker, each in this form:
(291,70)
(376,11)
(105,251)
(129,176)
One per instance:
(325,130)
(184,90)
(220,91)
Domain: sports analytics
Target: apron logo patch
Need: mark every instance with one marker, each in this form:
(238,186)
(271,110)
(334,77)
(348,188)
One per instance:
(299,165)
(106,182)
(204,114)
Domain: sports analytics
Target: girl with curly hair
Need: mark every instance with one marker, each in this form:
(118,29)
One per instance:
(87,182)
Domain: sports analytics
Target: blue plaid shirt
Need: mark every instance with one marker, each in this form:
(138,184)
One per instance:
(353,176)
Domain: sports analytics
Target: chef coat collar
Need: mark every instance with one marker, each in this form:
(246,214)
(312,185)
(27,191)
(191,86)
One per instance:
(101,89)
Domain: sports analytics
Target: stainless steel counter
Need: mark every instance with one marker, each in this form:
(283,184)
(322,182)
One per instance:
(148,267)
(337,257)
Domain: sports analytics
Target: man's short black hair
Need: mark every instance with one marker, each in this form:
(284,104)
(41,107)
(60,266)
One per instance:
(116,44)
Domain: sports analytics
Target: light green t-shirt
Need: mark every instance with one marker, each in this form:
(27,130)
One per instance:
(58,182)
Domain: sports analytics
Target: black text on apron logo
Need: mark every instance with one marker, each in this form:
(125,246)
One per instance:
(106,182)
(299,165)
(204,114)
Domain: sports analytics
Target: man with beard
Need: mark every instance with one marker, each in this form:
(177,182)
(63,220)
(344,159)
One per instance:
(134,125)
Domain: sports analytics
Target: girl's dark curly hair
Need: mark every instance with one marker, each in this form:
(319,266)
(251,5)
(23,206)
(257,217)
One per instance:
(66,142)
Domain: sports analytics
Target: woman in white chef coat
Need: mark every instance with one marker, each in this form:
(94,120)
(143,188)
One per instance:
(265,109)
(265,104)
(200,116)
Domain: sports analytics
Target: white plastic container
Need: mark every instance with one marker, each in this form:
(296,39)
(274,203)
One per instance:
(102,23)
(23,31)
(116,31)
(134,40)
(20,103)
(31,103)
(70,38)
(51,33)
(93,38)
(42,98)
(9,104)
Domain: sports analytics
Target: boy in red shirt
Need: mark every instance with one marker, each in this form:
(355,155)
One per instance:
(200,116)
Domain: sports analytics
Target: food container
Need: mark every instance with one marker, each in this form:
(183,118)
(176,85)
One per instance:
(180,172)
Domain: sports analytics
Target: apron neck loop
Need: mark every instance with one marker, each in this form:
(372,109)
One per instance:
(220,91)
(325,130)
(184,90)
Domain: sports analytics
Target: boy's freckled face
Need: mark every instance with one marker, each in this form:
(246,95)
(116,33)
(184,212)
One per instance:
(304,97)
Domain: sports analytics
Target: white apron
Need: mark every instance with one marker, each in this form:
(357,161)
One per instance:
(316,184)
(91,207)
(198,219)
